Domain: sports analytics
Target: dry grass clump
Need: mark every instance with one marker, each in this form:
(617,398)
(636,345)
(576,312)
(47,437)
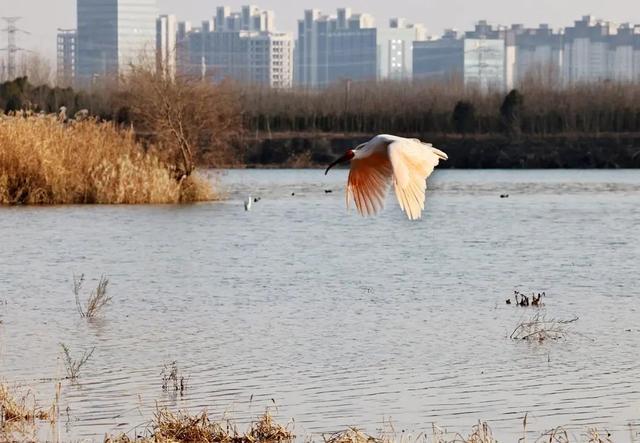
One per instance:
(353,435)
(21,407)
(555,435)
(182,427)
(480,433)
(266,429)
(595,436)
(19,412)
(97,299)
(43,161)
(539,328)
(560,435)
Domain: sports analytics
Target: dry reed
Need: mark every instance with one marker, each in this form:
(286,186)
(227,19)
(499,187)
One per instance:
(353,435)
(21,407)
(182,427)
(16,407)
(19,412)
(168,427)
(594,435)
(45,162)
(480,433)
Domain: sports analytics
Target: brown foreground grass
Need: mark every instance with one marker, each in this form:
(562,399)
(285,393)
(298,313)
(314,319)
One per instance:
(43,161)
(19,412)
(15,407)
(181,427)
(168,427)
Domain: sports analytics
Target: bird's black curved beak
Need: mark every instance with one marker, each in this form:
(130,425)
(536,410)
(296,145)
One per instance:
(342,159)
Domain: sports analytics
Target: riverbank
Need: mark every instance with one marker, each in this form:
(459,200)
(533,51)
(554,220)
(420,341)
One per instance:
(572,150)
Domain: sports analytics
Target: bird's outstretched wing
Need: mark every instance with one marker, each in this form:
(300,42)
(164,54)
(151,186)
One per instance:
(412,162)
(368,184)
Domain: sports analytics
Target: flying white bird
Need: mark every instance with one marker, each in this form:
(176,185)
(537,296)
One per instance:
(247,203)
(407,162)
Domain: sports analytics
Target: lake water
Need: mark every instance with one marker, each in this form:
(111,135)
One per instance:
(340,320)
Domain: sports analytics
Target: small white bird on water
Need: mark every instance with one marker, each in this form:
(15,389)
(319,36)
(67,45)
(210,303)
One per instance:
(407,162)
(247,203)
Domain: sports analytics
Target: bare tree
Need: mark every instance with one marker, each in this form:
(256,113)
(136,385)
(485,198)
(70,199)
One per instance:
(185,117)
(37,68)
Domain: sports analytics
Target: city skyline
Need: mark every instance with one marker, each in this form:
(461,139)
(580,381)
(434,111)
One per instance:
(43,22)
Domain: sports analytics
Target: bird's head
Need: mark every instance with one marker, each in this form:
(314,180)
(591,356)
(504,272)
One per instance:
(345,158)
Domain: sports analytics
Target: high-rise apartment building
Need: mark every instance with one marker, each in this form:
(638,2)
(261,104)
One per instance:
(348,46)
(112,34)
(395,48)
(439,59)
(182,47)
(166,47)
(539,55)
(596,50)
(333,48)
(241,45)
(66,57)
(484,58)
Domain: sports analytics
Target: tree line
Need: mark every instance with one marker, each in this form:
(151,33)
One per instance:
(447,108)
(193,122)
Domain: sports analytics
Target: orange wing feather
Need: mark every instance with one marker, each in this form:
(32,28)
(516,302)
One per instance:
(368,183)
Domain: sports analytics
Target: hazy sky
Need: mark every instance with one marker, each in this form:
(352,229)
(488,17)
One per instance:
(43,17)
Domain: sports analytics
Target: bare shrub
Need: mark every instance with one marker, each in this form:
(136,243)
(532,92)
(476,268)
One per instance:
(97,299)
(73,365)
(539,328)
(183,117)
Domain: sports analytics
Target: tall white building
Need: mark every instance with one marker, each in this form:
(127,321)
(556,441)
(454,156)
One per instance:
(243,46)
(166,45)
(395,48)
(484,63)
(490,57)
(113,34)
(624,54)
(66,57)
(586,50)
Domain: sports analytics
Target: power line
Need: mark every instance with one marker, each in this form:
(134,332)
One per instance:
(12,48)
